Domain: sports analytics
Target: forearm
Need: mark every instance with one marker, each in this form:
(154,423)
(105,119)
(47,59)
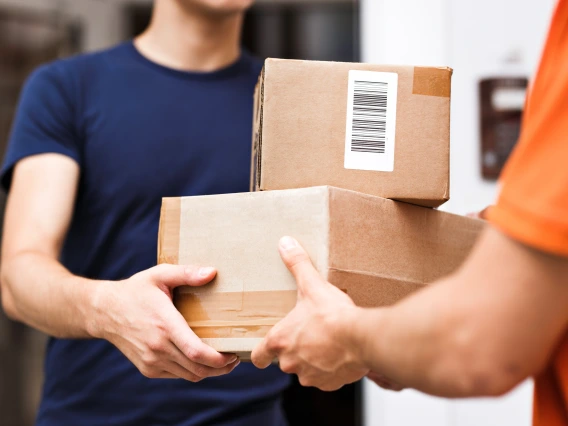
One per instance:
(422,345)
(46,296)
(479,332)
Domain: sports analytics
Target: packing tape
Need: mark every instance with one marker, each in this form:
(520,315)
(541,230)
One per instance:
(247,314)
(168,234)
(432,81)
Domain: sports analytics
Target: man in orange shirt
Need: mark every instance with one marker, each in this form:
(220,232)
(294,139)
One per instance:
(503,317)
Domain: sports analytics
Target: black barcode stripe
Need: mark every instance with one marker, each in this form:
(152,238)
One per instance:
(369,125)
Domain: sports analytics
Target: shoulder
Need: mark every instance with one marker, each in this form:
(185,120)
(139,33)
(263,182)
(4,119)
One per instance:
(69,74)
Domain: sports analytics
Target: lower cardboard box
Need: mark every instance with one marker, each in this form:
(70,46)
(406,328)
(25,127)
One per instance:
(376,250)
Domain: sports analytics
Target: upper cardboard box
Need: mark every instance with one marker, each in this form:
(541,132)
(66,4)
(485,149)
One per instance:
(377,129)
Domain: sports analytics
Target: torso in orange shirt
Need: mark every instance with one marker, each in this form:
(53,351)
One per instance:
(533,204)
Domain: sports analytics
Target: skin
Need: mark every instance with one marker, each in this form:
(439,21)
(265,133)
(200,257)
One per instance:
(194,35)
(137,314)
(479,332)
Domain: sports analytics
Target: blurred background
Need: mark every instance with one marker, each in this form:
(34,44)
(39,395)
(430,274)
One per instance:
(493,46)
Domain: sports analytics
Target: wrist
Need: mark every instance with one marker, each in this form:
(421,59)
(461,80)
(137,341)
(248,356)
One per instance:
(364,334)
(97,312)
(350,336)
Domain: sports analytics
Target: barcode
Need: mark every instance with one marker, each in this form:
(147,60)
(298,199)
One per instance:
(369,126)
(371,120)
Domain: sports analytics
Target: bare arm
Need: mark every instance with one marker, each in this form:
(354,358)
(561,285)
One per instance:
(479,332)
(36,288)
(137,315)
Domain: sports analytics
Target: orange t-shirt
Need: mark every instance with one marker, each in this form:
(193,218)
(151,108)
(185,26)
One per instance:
(533,204)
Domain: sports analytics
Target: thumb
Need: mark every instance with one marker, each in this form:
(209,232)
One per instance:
(173,276)
(299,264)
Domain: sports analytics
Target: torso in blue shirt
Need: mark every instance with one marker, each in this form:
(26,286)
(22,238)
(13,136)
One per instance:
(139,132)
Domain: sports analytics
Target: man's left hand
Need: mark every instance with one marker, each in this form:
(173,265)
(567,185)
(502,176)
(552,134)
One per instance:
(313,340)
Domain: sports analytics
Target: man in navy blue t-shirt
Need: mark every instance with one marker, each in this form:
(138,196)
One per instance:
(97,141)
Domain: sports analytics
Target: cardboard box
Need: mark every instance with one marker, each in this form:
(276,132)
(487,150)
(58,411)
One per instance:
(376,250)
(380,130)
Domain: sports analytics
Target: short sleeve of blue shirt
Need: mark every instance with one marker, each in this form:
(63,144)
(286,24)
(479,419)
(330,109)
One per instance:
(43,122)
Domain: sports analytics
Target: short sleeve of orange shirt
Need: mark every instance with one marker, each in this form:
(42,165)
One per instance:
(533,205)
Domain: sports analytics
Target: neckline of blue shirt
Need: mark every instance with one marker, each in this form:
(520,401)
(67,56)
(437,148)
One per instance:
(222,73)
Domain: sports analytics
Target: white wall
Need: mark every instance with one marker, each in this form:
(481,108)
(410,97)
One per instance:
(474,38)
(482,34)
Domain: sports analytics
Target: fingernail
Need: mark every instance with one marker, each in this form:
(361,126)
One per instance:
(205,272)
(287,243)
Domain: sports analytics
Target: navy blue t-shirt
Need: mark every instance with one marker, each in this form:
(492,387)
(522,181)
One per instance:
(139,132)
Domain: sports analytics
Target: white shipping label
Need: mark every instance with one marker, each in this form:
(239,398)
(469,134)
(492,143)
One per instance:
(371,120)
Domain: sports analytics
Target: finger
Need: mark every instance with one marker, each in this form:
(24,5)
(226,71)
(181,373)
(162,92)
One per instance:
(177,275)
(199,370)
(168,375)
(262,355)
(383,382)
(180,372)
(156,374)
(483,214)
(480,214)
(203,372)
(192,347)
(326,383)
(299,264)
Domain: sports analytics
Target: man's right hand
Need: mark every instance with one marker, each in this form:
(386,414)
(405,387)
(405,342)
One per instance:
(137,316)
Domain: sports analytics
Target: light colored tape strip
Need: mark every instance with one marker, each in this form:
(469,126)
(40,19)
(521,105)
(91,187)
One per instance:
(234,314)
(168,233)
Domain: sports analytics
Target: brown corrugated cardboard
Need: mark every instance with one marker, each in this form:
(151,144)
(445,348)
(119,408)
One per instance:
(376,250)
(302,120)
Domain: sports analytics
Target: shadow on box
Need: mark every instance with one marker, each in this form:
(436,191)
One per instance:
(314,30)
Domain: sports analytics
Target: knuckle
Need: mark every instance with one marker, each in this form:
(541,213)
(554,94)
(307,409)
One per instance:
(200,371)
(149,359)
(158,270)
(228,368)
(150,373)
(164,270)
(329,387)
(195,379)
(306,381)
(288,366)
(157,345)
(297,258)
(165,330)
(191,270)
(194,354)
(275,342)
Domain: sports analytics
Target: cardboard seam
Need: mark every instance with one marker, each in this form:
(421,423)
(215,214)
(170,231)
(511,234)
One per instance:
(377,275)
(258,143)
(328,231)
(241,324)
(160,232)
